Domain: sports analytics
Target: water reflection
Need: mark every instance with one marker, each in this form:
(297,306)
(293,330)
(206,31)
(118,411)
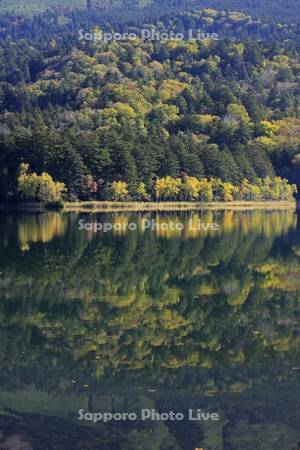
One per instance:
(27,229)
(148,318)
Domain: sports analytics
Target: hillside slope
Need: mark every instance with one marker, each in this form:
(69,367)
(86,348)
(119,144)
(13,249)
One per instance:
(93,113)
(36,6)
(286,11)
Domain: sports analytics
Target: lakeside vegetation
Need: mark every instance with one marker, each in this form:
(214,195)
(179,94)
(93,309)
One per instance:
(42,189)
(95,206)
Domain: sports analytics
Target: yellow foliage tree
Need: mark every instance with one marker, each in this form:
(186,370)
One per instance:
(119,190)
(40,188)
(191,188)
(170,89)
(237,113)
(206,191)
(167,188)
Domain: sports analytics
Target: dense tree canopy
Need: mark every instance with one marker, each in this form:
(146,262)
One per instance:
(92,113)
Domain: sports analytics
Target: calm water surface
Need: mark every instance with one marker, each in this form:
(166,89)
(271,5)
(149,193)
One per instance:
(172,318)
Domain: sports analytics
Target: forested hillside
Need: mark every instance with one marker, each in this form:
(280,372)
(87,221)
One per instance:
(287,11)
(36,6)
(180,17)
(91,113)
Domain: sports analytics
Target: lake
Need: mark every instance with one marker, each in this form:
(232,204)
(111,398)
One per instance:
(151,331)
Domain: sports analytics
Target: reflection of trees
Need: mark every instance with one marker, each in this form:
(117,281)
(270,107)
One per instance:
(256,418)
(40,228)
(135,301)
(37,227)
(136,306)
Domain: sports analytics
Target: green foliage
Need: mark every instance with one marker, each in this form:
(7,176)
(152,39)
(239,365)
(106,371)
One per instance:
(141,192)
(35,6)
(89,114)
(267,10)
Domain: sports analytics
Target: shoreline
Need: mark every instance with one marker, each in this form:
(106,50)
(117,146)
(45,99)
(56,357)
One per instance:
(107,206)
(175,206)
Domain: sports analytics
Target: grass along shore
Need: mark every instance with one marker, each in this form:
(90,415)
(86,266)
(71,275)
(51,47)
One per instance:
(97,206)
(109,206)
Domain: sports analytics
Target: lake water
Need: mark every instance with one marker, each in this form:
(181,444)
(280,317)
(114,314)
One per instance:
(195,314)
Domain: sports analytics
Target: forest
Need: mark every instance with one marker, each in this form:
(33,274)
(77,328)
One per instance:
(91,113)
(269,10)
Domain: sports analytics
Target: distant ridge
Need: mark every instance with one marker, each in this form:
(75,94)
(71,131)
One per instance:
(279,11)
